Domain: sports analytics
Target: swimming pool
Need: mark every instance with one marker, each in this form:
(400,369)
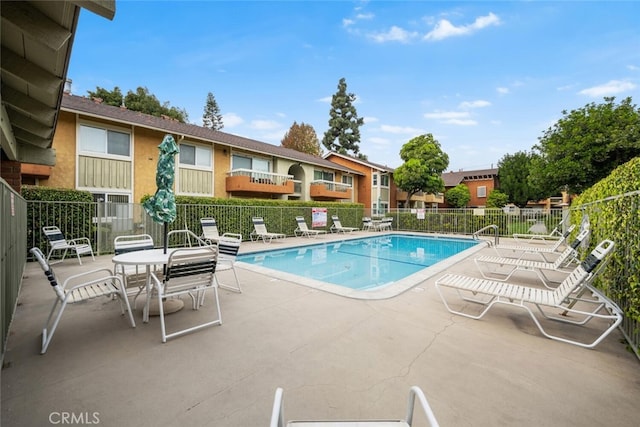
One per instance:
(361,265)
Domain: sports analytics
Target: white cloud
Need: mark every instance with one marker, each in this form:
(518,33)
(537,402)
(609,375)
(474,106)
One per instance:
(378,141)
(264,124)
(445,29)
(326,99)
(283,115)
(395,34)
(474,104)
(610,88)
(370,119)
(361,16)
(401,130)
(458,118)
(502,90)
(633,67)
(447,115)
(231,120)
(347,22)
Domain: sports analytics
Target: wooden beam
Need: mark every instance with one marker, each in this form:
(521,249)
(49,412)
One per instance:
(21,121)
(39,156)
(7,140)
(29,138)
(34,24)
(29,73)
(29,106)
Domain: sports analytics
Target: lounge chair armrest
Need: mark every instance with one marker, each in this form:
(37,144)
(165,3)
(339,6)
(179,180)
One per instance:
(414,392)
(79,241)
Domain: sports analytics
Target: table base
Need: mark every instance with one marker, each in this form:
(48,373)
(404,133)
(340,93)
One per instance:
(168,306)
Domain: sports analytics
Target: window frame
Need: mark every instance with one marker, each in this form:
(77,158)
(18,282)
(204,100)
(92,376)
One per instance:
(195,165)
(481,191)
(82,151)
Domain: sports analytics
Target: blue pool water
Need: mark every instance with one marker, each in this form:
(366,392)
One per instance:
(361,263)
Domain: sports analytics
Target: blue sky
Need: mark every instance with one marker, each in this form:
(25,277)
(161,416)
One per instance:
(485,78)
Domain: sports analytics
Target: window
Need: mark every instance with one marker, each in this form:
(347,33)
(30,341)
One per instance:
(375,179)
(482,191)
(251,163)
(384,180)
(347,179)
(322,175)
(195,155)
(104,141)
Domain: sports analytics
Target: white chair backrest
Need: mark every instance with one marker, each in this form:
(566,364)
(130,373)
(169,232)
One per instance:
(336,221)
(302,224)
(133,242)
(258,223)
(209,228)
(54,235)
(48,271)
(228,248)
(189,266)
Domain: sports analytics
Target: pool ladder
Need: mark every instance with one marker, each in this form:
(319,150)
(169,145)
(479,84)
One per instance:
(476,235)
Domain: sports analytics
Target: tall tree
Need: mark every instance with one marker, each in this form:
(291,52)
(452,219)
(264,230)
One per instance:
(343,135)
(302,137)
(211,118)
(424,162)
(140,100)
(585,145)
(513,174)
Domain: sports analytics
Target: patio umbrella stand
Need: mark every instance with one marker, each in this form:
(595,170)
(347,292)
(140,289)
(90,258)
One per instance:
(161,207)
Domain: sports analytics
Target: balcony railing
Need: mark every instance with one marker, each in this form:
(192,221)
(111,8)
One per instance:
(251,181)
(320,189)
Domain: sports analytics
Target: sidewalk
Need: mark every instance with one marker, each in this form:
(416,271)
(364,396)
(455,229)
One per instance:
(335,357)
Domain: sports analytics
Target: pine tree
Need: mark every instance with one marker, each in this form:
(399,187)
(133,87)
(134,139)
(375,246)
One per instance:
(344,124)
(212,118)
(302,137)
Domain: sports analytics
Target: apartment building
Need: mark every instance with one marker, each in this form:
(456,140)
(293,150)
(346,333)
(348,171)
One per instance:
(112,152)
(480,183)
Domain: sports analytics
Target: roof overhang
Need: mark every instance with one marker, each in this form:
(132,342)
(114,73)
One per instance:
(37,37)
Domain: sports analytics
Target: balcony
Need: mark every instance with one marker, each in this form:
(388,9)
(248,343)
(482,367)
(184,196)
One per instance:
(256,182)
(329,190)
(421,197)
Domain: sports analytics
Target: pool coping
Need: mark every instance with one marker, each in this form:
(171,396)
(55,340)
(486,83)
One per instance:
(382,292)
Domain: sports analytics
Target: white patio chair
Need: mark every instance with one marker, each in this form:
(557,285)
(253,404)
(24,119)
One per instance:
(227,253)
(569,255)
(567,298)
(278,420)
(337,227)
(386,223)
(367,224)
(79,288)
(190,271)
(134,276)
(57,242)
(304,230)
(260,231)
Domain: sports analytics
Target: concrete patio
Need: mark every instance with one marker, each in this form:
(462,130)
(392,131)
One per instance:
(335,357)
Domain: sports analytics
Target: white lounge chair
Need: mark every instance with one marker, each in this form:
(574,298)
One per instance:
(555,234)
(79,288)
(386,223)
(278,420)
(569,255)
(260,231)
(548,253)
(57,242)
(567,297)
(210,233)
(338,228)
(303,230)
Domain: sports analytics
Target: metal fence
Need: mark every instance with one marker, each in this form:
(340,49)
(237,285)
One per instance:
(102,222)
(13,254)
